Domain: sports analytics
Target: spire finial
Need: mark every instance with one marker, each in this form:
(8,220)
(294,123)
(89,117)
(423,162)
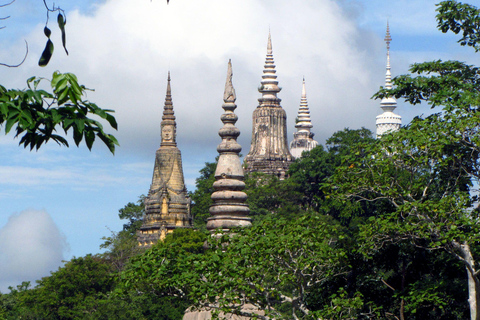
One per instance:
(269,87)
(388,38)
(229,94)
(269,44)
(388,75)
(304,91)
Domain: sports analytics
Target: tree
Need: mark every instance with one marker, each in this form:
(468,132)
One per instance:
(70,292)
(38,114)
(273,265)
(201,196)
(426,170)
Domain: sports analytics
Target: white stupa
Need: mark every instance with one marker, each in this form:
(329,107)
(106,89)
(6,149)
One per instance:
(388,121)
(303,138)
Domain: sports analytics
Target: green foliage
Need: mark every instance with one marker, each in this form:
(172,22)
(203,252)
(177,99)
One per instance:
(201,196)
(68,293)
(37,114)
(133,212)
(459,17)
(272,263)
(267,195)
(424,172)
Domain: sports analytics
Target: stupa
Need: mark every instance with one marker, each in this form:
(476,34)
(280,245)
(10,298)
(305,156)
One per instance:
(167,205)
(269,149)
(388,121)
(229,209)
(303,138)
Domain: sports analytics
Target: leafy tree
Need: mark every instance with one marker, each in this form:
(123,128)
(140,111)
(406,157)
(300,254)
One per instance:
(268,195)
(37,114)
(133,212)
(201,196)
(68,293)
(273,265)
(426,170)
(121,246)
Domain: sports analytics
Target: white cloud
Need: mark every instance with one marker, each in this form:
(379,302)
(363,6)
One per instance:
(31,245)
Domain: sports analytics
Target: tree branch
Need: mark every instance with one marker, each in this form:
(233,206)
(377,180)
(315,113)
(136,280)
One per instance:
(17,65)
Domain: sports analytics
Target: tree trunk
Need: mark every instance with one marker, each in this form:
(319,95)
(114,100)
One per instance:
(473,280)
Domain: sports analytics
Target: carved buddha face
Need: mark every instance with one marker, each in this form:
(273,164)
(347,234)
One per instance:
(167,133)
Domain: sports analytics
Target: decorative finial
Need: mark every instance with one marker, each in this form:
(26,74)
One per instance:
(269,44)
(304,92)
(388,38)
(229,94)
(388,75)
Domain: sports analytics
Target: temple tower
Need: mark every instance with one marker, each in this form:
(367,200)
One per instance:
(167,205)
(303,138)
(388,120)
(269,150)
(229,209)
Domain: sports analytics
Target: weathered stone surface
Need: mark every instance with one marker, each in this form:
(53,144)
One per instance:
(167,205)
(269,149)
(229,209)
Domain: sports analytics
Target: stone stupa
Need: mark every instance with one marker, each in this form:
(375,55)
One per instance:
(303,138)
(167,205)
(269,148)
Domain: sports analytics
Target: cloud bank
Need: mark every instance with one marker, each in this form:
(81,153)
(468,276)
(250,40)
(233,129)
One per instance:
(31,245)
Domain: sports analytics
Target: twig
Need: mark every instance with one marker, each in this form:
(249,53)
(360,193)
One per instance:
(17,65)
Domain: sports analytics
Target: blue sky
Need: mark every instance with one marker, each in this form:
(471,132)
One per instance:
(124,50)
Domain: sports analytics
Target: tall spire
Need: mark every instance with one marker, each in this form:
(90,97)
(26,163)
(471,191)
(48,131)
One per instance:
(304,123)
(388,75)
(388,120)
(229,209)
(168,125)
(269,149)
(303,138)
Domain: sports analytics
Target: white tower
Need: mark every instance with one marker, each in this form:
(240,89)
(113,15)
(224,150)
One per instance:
(303,138)
(388,120)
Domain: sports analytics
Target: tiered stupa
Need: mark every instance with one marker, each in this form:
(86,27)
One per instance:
(269,149)
(388,121)
(303,138)
(229,209)
(167,205)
